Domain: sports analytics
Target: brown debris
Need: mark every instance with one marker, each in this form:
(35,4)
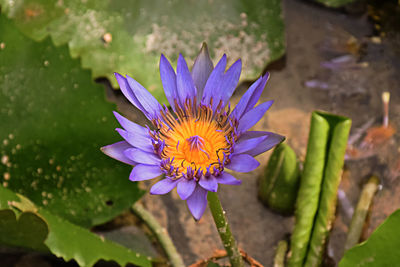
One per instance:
(220,253)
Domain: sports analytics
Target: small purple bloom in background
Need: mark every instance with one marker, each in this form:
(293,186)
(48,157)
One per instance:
(192,144)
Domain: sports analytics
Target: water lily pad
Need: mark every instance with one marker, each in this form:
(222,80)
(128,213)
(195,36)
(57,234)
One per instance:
(380,249)
(41,230)
(128,36)
(54,119)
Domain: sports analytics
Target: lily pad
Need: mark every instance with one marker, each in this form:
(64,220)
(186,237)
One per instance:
(54,119)
(28,230)
(41,230)
(380,249)
(128,36)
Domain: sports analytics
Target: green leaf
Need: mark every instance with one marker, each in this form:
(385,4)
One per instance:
(316,202)
(28,230)
(128,36)
(279,184)
(380,249)
(54,119)
(310,188)
(339,133)
(45,231)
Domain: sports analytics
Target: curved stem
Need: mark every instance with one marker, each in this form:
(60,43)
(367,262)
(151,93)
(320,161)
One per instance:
(358,220)
(280,254)
(224,230)
(160,233)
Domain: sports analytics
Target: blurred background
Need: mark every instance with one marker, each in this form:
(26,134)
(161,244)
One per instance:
(57,94)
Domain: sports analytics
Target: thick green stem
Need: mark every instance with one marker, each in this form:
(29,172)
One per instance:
(224,230)
(160,233)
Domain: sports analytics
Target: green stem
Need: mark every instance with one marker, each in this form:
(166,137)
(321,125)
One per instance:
(160,233)
(280,254)
(357,222)
(224,230)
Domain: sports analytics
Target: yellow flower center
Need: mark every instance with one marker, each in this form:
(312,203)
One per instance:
(196,140)
(195,143)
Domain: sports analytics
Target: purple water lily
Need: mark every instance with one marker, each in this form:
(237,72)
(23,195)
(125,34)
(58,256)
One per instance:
(193,143)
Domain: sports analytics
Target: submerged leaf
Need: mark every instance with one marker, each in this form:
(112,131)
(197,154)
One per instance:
(44,231)
(128,36)
(54,119)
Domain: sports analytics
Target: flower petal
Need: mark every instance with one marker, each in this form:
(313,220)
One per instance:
(184,82)
(197,202)
(128,93)
(253,116)
(257,93)
(201,70)
(143,172)
(148,102)
(210,183)
(116,151)
(242,163)
(164,186)
(272,140)
(168,79)
(142,157)
(227,178)
(213,81)
(250,98)
(137,140)
(244,145)
(131,126)
(185,188)
(230,81)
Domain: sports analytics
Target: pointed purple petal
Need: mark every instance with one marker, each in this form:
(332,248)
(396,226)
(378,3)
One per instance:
(210,183)
(230,81)
(213,82)
(128,93)
(131,126)
(201,70)
(242,163)
(148,102)
(250,98)
(143,172)
(244,100)
(184,81)
(142,157)
(185,188)
(164,186)
(244,145)
(197,202)
(168,79)
(272,140)
(137,140)
(253,116)
(116,151)
(257,93)
(227,178)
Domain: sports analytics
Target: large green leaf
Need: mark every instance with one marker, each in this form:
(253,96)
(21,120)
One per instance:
(128,36)
(37,228)
(380,249)
(316,202)
(339,133)
(53,120)
(310,188)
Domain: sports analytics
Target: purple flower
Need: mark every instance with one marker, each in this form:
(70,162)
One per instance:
(193,143)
